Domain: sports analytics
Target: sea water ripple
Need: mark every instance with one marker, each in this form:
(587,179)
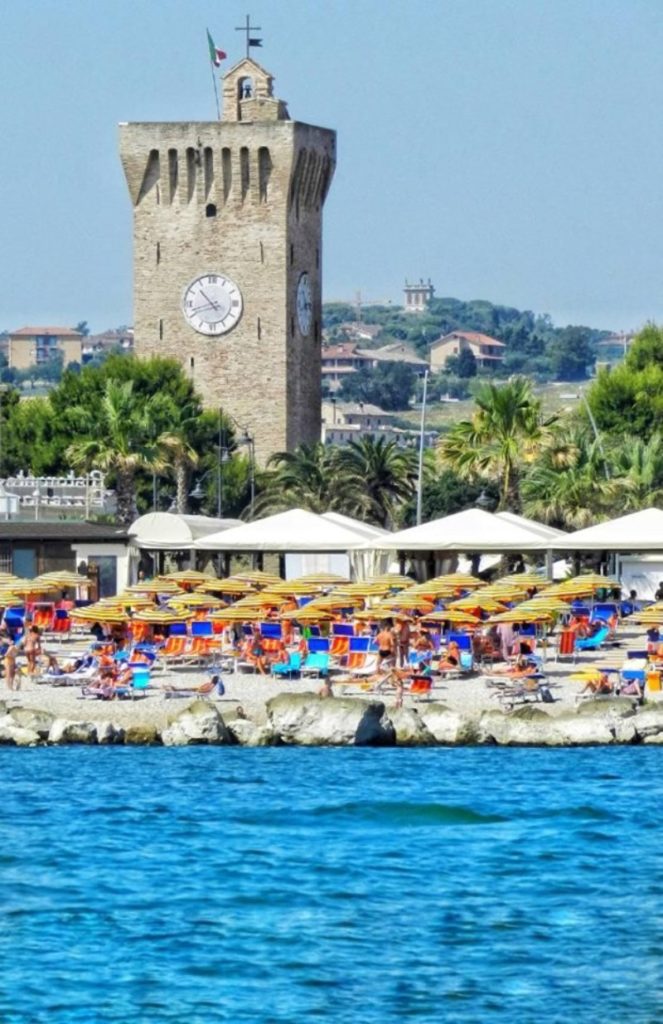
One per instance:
(279,885)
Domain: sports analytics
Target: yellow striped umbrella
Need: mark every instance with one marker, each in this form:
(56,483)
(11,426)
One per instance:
(188,576)
(464,580)
(415,602)
(228,586)
(130,600)
(526,579)
(233,614)
(63,579)
(162,585)
(320,577)
(99,613)
(514,615)
(301,588)
(196,601)
(329,601)
(308,614)
(392,578)
(361,589)
(545,604)
(454,616)
(161,616)
(8,597)
(477,600)
(257,576)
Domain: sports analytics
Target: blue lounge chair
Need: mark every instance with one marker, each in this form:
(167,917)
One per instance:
(288,668)
(592,643)
(316,664)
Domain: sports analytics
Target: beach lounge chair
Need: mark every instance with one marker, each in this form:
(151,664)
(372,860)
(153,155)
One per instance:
(592,643)
(288,668)
(566,645)
(206,690)
(316,664)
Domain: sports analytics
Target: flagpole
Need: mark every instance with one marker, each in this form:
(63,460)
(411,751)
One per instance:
(216,91)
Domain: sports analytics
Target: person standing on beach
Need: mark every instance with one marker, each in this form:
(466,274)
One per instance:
(402,635)
(385,642)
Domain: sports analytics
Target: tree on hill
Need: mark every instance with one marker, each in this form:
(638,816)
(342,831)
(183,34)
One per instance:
(462,365)
(629,398)
(390,386)
(572,353)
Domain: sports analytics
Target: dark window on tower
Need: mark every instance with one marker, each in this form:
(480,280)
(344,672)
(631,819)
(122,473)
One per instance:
(317,259)
(292,254)
(244,172)
(210,210)
(160,330)
(262,253)
(292,326)
(264,172)
(259,326)
(192,363)
(158,253)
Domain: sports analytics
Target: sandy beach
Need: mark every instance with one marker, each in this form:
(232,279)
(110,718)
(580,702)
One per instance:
(471,694)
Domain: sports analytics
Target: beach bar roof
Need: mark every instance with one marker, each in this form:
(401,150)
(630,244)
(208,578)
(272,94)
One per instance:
(296,530)
(543,529)
(471,530)
(639,531)
(166,531)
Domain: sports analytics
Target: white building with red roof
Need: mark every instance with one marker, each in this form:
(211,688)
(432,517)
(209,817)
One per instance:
(486,350)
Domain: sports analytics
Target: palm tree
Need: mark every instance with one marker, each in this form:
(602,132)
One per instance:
(117,441)
(505,434)
(567,486)
(306,478)
(379,477)
(638,465)
(174,447)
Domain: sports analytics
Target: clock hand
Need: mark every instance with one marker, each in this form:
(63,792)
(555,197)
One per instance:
(214,304)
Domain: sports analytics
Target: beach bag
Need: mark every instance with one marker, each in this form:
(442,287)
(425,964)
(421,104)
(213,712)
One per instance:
(546,695)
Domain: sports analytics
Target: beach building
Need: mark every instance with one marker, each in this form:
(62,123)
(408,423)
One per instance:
(39,498)
(29,549)
(107,341)
(488,352)
(33,346)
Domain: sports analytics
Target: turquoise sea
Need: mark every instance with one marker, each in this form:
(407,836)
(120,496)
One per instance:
(211,884)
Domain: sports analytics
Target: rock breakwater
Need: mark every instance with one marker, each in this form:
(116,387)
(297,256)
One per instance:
(303,719)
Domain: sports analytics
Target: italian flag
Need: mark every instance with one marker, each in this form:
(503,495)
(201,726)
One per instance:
(215,55)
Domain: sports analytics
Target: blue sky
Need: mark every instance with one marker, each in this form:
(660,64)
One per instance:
(509,149)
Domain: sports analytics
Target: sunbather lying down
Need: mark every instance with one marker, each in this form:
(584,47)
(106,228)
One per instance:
(521,668)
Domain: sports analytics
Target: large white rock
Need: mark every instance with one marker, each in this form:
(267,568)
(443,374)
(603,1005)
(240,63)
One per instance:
(63,731)
(199,723)
(15,735)
(409,727)
(109,732)
(526,727)
(251,734)
(448,726)
(649,721)
(307,720)
(33,718)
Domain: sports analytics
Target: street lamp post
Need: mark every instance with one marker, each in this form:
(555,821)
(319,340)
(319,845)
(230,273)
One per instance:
(420,476)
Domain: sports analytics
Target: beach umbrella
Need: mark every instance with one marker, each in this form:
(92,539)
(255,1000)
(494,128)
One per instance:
(415,602)
(228,586)
(362,589)
(297,587)
(392,579)
(515,615)
(545,604)
(320,577)
(526,579)
(133,600)
(99,613)
(189,576)
(478,600)
(196,601)
(257,576)
(308,614)
(329,601)
(162,585)
(455,616)
(464,580)
(63,579)
(234,614)
(161,616)
(8,597)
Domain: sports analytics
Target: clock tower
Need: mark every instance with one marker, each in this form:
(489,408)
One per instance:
(228,255)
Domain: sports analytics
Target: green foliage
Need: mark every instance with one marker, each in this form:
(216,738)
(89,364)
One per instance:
(391,386)
(629,397)
(502,436)
(371,479)
(446,493)
(462,365)
(572,353)
(445,385)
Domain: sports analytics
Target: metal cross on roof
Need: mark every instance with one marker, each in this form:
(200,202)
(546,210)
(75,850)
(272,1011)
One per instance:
(249,28)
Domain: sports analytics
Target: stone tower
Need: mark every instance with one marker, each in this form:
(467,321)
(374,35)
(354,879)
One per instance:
(228,255)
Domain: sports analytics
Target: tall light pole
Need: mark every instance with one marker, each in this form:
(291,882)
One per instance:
(590,414)
(420,476)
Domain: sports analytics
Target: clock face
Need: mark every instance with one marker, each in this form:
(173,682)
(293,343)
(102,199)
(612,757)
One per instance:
(212,304)
(304,304)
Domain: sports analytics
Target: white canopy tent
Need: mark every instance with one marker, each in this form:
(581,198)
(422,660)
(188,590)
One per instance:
(639,531)
(167,531)
(471,530)
(296,531)
(532,524)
